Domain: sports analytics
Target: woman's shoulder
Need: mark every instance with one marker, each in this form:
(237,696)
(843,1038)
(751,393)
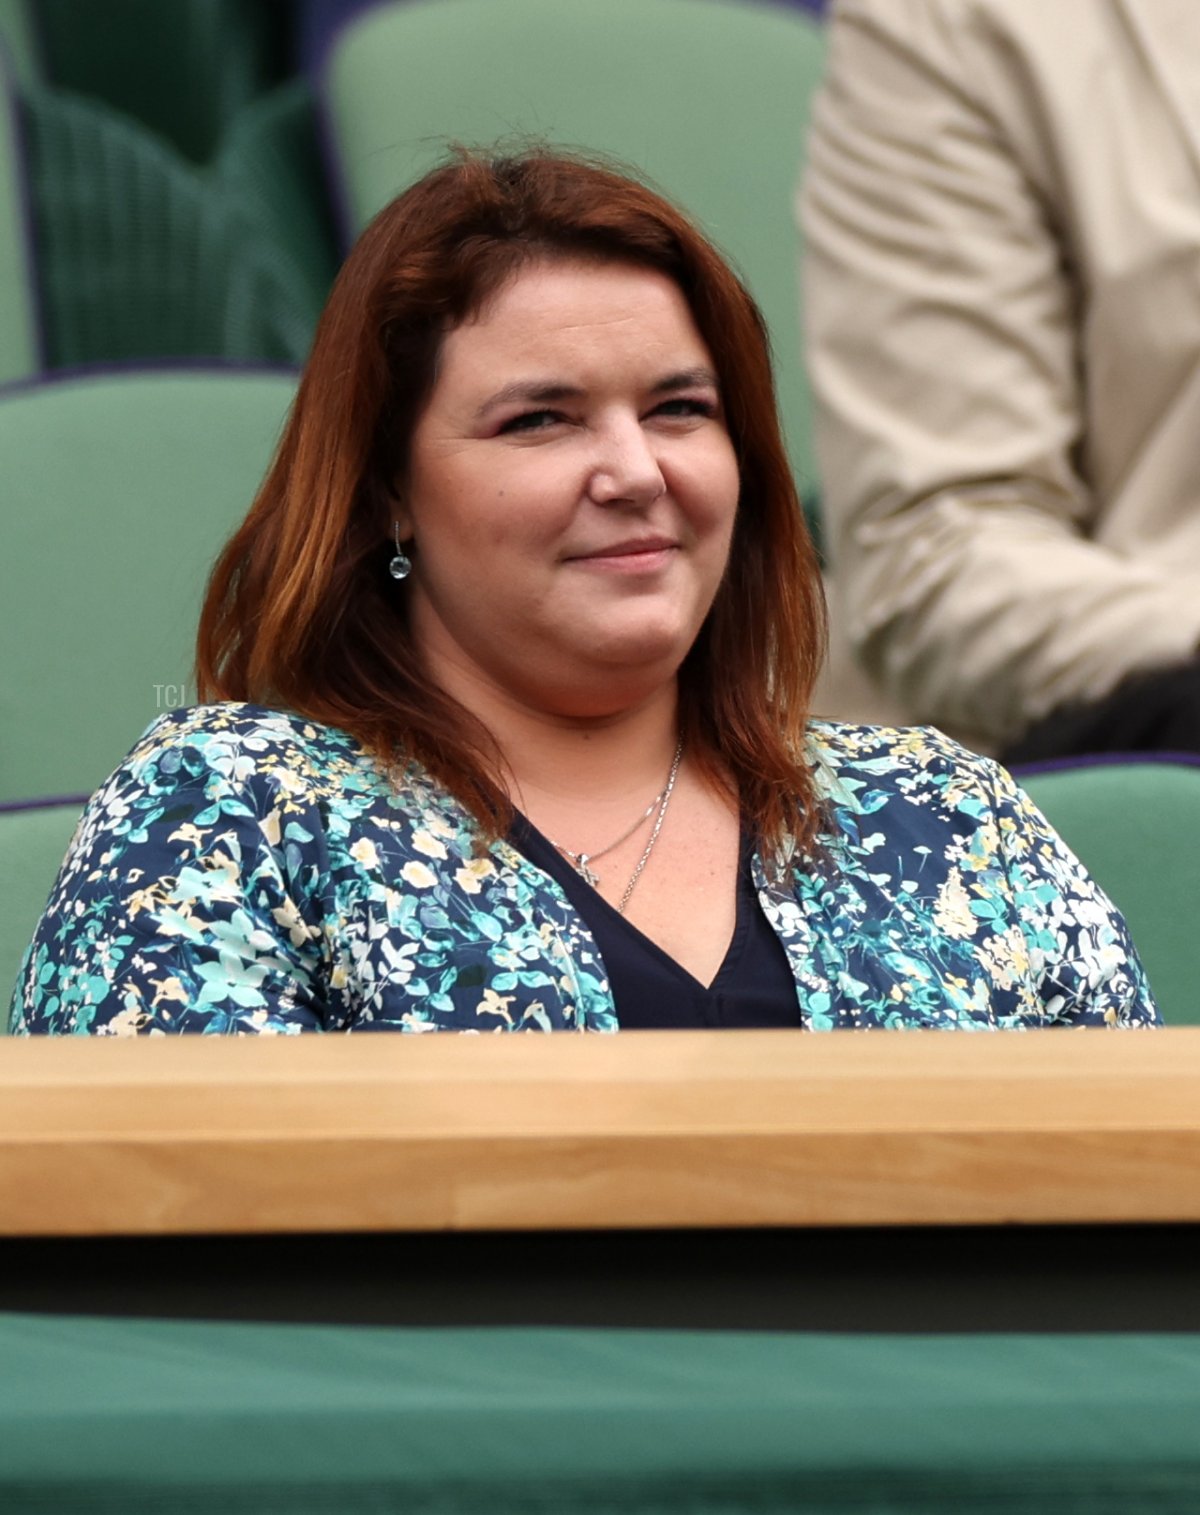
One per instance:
(914,778)
(236,759)
(227,725)
(907,756)
(237,744)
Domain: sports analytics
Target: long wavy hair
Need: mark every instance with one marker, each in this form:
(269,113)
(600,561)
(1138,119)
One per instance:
(300,611)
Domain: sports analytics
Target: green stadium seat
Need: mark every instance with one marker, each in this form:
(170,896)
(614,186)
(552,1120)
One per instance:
(119,492)
(708,98)
(183,68)
(18,41)
(1136,827)
(270,161)
(19,345)
(33,839)
(141,255)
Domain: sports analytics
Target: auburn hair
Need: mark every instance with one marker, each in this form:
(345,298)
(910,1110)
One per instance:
(300,611)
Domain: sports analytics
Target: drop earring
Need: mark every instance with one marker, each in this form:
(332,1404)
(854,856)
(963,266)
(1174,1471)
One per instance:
(401,565)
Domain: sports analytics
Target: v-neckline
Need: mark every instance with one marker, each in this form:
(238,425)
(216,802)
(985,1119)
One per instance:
(570,879)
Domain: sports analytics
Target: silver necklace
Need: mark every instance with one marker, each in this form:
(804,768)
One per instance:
(580,861)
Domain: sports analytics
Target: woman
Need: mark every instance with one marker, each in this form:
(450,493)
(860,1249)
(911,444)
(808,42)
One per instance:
(511,661)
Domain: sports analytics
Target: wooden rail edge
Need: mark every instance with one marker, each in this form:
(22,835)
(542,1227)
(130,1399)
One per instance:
(315,1133)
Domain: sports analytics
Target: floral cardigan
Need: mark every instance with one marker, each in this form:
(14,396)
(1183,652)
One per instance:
(246,870)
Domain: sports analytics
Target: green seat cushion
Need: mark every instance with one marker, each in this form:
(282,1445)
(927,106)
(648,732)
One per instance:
(136,1416)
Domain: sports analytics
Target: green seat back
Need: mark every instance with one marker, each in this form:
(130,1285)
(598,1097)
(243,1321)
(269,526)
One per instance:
(142,255)
(270,161)
(19,357)
(183,68)
(119,491)
(18,40)
(708,98)
(32,844)
(1136,828)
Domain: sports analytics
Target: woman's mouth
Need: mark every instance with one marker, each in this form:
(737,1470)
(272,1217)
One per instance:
(635,555)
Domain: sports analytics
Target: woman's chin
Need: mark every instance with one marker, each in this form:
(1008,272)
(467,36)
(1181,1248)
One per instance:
(638,660)
(649,639)
(605,678)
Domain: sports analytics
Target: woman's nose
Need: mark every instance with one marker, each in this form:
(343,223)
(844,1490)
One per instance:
(626,468)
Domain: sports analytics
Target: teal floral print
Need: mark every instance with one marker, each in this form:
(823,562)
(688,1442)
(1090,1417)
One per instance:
(247,870)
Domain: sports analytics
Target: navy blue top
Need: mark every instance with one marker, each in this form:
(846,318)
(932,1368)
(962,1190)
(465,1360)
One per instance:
(753,986)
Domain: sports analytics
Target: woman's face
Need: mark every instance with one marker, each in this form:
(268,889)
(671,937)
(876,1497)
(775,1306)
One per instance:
(571,491)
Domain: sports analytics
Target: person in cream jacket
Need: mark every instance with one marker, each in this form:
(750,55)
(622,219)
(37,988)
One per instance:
(1001,213)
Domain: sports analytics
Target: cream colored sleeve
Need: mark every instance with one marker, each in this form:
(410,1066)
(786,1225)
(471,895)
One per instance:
(944,359)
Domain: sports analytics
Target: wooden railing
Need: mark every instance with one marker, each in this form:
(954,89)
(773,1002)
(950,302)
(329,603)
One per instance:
(657,1129)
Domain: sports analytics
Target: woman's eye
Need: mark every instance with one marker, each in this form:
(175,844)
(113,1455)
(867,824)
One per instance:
(531,420)
(691,406)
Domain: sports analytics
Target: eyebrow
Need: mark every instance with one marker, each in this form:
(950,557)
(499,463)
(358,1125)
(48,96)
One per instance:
(534,392)
(687,378)
(549,392)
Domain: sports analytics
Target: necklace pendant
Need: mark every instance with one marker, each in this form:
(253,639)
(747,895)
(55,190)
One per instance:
(585,872)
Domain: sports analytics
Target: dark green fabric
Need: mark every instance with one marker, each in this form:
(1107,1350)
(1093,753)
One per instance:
(183,67)
(19,355)
(143,256)
(270,161)
(18,42)
(100,1415)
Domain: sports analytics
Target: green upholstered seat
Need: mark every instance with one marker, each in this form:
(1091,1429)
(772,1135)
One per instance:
(183,68)
(185,1416)
(32,843)
(142,255)
(18,40)
(708,98)
(270,160)
(19,356)
(1136,828)
(119,491)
